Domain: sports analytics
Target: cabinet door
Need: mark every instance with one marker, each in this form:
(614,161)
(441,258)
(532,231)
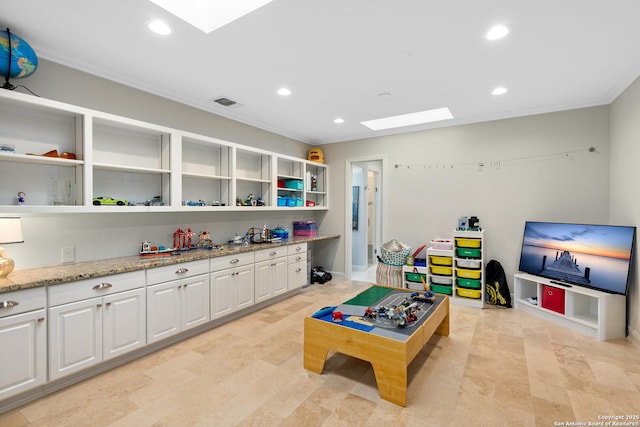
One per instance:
(124,322)
(163,310)
(279,270)
(264,280)
(75,338)
(222,293)
(297,275)
(244,286)
(194,294)
(23,357)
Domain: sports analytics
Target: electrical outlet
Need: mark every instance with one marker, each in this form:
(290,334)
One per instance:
(68,254)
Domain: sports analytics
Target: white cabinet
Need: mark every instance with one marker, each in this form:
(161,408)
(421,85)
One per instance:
(94,320)
(179,304)
(94,154)
(593,313)
(206,172)
(253,178)
(232,284)
(271,273)
(296,266)
(23,341)
(316,185)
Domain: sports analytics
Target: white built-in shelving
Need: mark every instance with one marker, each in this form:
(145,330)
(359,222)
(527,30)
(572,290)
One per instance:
(138,162)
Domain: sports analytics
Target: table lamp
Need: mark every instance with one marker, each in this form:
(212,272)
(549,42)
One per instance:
(10,232)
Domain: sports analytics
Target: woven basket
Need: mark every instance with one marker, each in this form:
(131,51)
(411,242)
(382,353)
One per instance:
(394,252)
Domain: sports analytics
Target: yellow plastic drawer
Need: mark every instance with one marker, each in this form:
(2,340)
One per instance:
(468,274)
(443,271)
(469,293)
(464,242)
(440,260)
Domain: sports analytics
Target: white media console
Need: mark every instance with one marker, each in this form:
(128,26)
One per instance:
(594,313)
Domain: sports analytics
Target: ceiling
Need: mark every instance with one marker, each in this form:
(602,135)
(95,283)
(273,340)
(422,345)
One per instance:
(339,56)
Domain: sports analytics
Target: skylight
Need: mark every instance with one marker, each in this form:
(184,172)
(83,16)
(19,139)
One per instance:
(410,119)
(209,15)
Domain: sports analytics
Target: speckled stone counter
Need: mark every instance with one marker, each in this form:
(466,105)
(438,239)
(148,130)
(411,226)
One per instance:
(36,277)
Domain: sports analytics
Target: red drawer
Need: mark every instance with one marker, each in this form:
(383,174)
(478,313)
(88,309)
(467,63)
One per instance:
(553,298)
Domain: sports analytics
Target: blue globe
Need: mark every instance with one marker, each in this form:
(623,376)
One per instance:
(23,59)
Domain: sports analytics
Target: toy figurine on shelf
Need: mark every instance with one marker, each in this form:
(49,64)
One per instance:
(182,239)
(21,197)
(204,240)
(314,183)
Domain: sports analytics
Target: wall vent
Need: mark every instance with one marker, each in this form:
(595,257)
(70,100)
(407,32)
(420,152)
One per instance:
(225,101)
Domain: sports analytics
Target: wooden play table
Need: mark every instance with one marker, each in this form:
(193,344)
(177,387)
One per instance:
(388,351)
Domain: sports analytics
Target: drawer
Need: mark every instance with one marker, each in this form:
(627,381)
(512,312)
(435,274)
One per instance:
(301,257)
(468,274)
(463,242)
(297,248)
(177,271)
(440,260)
(229,261)
(22,301)
(267,254)
(96,287)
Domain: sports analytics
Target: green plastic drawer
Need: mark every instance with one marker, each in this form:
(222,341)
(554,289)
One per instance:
(442,289)
(468,253)
(415,277)
(468,283)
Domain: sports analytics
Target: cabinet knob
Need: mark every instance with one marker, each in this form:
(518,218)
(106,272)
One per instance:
(298,258)
(182,270)
(272,253)
(8,304)
(98,305)
(108,304)
(103,285)
(234,261)
(298,270)
(40,319)
(298,248)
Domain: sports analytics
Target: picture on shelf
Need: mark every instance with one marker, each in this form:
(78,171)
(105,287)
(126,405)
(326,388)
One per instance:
(355,208)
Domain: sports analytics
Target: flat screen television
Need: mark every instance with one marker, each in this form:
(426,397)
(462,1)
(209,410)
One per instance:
(593,256)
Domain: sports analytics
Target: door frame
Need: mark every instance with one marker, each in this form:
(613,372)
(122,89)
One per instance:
(348,197)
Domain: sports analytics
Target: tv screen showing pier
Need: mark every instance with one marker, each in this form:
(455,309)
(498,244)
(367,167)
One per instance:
(594,256)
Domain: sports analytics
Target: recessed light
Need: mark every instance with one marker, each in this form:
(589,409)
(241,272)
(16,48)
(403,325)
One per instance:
(410,119)
(283,91)
(500,90)
(498,31)
(159,27)
(338,120)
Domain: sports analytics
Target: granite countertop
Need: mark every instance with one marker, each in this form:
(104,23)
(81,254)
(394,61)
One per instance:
(54,275)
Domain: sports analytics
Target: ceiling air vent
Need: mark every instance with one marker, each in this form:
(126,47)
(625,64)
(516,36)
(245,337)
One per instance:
(225,101)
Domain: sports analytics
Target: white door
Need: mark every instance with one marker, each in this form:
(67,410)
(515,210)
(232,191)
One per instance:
(280,271)
(23,355)
(297,276)
(163,310)
(221,293)
(75,339)
(195,301)
(124,322)
(264,287)
(244,286)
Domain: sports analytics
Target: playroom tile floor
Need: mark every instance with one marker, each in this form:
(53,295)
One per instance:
(499,367)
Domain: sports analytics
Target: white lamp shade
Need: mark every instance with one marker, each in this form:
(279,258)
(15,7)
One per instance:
(10,230)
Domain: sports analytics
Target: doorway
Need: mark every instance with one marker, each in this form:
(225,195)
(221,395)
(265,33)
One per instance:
(364,189)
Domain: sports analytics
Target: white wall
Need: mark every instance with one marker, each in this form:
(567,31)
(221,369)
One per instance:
(526,176)
(625,175)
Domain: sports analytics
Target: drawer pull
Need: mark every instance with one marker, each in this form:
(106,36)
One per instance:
(108,304)
(298,248)
(103,285)
(298,270)
(298,258)
(234,261)
(182,270)
(40,319)
(98,305)
(272,253)
(8,304)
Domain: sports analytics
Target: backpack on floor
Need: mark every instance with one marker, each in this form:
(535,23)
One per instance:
(496,285)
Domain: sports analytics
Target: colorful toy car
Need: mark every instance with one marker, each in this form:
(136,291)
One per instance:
(106,200)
